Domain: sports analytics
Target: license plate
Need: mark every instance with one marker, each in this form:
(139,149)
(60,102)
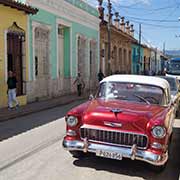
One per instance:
(109,154)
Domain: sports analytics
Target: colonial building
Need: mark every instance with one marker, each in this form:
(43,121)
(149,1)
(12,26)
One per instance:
(122,36)
(64,40)
(14,51)
(157,61)
(147,58)
(153,60)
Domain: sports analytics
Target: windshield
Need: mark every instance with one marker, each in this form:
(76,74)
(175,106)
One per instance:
(173,67)
(131,92)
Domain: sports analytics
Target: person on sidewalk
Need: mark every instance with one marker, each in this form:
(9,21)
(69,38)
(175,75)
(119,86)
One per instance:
(100,75)
(12,83)
(80,84)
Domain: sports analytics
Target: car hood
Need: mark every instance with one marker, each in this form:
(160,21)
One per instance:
(128,116)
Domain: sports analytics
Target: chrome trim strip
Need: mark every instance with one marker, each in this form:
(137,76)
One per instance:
(133,153)
(113,130)
(112,124)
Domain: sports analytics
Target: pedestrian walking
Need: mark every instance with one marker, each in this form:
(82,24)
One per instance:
(80,84)
(100,75)
(12,83)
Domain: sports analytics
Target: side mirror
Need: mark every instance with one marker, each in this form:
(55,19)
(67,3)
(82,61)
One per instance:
(172,102)
(179,89)
(91,97)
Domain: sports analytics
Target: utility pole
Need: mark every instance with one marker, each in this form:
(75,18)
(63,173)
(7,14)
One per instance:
(109,35)
(164,48)
(139,53)
(101,16)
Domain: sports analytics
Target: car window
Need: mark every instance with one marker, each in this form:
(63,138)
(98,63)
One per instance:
(131,92)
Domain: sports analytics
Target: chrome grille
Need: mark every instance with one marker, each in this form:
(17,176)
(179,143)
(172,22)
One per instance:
(115,137)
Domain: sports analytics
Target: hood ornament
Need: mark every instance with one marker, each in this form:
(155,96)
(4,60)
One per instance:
(116,111)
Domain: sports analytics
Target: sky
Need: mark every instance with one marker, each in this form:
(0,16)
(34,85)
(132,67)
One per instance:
(159,19)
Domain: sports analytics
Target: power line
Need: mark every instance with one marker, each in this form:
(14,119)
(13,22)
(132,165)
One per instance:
(147,42)
(137,3)
(156,9)
(156,25)
(155,20)
(140,21)
(151,11)
(170,14)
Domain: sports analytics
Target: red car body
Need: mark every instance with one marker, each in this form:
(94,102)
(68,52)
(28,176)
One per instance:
(120,129)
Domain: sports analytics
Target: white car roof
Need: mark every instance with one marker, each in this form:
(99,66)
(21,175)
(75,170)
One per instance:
(148,80)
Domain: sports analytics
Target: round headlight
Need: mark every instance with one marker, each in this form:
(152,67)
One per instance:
(158,132)
(72,121)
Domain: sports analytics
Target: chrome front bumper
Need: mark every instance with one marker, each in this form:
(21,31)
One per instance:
(132,153)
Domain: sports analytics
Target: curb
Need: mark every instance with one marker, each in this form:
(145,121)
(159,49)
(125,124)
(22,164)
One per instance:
(35,110)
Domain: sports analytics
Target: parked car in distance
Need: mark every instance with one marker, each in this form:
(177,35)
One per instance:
(175,91)
(131,116)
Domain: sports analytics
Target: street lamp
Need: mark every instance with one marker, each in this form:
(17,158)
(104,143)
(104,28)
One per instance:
(101,16)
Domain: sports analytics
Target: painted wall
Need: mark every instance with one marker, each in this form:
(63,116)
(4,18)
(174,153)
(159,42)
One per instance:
(147,55)
(84,6)
(67,71)
(136,66)
(48,19)
(7,17)
(89,34)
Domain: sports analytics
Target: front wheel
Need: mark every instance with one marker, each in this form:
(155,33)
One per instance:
(77,154)
(158,169)
(177,113)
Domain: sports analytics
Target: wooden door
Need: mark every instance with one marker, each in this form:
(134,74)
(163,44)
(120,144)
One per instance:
(42,61)
(61,51)
(93,64)
(15,57)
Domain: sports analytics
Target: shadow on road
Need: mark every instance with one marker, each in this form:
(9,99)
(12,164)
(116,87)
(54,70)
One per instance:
(137,168)
(20,125)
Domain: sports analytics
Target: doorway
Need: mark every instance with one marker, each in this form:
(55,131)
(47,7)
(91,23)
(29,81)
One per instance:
(42,61)
(15,56)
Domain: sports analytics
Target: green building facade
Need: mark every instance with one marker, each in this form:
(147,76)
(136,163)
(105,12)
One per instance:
(63,40)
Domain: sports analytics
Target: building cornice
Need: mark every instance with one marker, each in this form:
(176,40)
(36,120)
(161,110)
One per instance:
(120,32)
(62,9)
(19,6)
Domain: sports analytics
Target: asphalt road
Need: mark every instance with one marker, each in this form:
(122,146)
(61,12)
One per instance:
(30,149)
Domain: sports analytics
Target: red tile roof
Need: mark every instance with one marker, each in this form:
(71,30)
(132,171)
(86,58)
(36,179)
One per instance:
(20,6)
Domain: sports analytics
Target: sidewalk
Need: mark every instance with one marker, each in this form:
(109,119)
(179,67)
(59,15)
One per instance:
(6,114)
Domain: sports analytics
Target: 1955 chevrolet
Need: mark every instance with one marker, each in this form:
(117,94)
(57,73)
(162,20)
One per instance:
(131,116)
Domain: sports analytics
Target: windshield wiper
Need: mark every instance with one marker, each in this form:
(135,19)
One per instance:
(142,98)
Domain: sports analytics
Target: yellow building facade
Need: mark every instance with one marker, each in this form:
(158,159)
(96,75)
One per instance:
(14,47)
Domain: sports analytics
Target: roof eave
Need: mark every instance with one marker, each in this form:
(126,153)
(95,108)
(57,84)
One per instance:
(20,6)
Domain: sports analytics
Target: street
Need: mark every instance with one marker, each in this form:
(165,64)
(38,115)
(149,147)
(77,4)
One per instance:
(31,149)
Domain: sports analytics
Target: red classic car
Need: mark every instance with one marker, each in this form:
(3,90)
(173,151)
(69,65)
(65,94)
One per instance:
(131,116)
